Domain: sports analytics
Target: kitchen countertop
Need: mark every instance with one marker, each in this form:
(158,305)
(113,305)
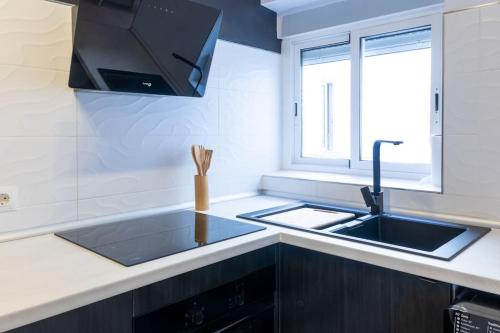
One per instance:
(43,276)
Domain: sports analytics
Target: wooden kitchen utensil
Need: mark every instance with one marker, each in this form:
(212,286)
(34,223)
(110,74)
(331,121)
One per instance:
(201,192)
(202,158)
(207,160)
(195,153)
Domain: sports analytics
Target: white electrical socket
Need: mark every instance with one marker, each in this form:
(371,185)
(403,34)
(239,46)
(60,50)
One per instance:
(8,198)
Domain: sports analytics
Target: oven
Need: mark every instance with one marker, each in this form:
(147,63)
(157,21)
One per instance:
(245,305)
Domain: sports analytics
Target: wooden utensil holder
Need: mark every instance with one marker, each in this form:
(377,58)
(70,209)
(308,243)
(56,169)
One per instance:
(201,192)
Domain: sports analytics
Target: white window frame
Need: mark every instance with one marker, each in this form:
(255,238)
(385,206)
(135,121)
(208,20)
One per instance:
(297,56)
(293,139)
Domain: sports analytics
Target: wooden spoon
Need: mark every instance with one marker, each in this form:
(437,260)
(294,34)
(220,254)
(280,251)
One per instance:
(196,159)
(201,160)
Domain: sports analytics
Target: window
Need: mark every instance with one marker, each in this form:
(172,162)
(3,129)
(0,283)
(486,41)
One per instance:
(326,99)
(380,82)
(395,94)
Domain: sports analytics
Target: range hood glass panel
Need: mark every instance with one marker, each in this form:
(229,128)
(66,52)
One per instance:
(151,47)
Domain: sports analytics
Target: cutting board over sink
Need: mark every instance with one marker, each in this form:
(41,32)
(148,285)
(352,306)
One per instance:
(309,217)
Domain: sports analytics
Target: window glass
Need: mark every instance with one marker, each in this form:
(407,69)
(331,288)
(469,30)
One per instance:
(326,102)
(396,94)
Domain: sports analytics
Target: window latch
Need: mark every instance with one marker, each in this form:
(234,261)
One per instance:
(436,101)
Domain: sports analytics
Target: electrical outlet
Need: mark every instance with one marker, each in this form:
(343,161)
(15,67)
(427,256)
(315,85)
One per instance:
(8,199)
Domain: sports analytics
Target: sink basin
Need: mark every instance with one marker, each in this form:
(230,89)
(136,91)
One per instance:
(429,238)
(435,239)
(411,233)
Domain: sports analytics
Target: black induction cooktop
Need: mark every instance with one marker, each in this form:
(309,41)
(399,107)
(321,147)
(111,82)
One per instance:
(139,240)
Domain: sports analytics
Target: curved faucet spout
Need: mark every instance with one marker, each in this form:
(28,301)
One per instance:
(375,200)
(376,163)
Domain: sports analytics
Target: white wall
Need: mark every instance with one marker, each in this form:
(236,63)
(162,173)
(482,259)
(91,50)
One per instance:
(454,5)
(471,129)
(75,156)
(346,11)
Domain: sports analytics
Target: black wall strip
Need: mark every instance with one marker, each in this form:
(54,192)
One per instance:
(245,22)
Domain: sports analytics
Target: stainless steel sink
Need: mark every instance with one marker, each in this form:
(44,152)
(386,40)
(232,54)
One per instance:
(436,239)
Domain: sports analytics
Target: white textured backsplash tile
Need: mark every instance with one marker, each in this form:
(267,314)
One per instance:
(36,102)
(462,41)
(247,69)
(118,165)
(35,33)
(230,184)
(248,113)
(38,216)
(490,37)
(108,115)
(488,174)
(462,103)
(461,157)
(488,103)
(458,205)
(290,186)
(44,169)
(338,192)
(128,202)
(245,155)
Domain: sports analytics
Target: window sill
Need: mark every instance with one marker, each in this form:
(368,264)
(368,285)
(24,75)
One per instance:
(390,183)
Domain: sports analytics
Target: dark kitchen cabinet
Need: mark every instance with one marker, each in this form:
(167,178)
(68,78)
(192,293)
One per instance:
(323,293)
(178,288)
(418,305)
(112,315)
(311,291)
(380,300)
(367,296)
(244,303)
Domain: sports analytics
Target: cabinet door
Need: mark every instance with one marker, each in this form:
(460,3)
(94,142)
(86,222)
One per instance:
(311,291)
(113,315)
(367,298)
(178,288)
(418,305)
(323,293)
(379,300)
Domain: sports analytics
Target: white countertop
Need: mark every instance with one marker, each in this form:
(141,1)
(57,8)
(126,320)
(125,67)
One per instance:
(43,276)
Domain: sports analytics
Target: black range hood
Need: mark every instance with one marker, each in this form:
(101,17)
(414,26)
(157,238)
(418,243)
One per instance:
(162,47)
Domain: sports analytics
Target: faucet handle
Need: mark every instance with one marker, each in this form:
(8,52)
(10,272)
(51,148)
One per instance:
(368,197)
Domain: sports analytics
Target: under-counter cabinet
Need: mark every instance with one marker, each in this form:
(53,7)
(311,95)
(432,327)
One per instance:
(323,293)
(387,301)
(113,315)
(236,295)
(311,291)
(275,289)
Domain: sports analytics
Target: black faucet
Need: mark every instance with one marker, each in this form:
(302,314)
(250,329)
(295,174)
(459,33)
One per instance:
(375,199)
